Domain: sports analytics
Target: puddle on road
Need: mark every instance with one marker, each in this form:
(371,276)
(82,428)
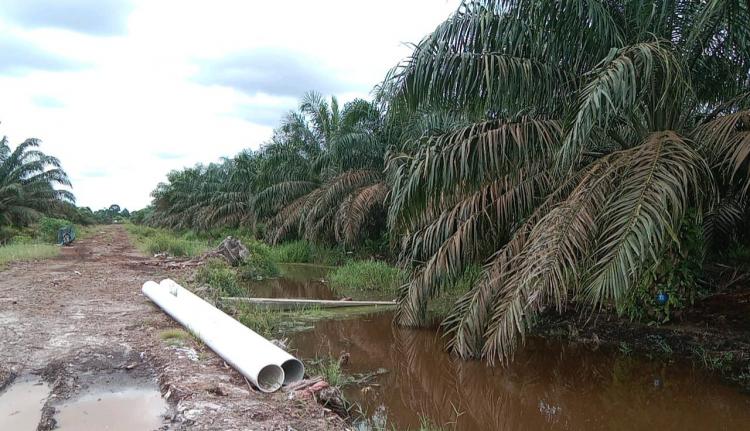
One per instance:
(113,409)
(21,405)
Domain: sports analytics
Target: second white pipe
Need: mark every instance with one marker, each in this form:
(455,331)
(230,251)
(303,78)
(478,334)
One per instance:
(293,368)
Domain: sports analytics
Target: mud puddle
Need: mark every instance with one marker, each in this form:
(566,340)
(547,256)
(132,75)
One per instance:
(113,409)
(21,404)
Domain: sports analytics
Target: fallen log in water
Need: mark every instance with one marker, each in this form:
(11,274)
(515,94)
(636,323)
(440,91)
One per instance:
(295,304)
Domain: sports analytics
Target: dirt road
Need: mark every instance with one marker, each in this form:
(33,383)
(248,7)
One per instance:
(80,316)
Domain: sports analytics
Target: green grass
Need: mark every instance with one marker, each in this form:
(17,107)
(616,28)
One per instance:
(439,307)
(153,241)
(174,337)
(331,371)
(307,252)
(25,251)
(367,277)
(217,274)
(260,264)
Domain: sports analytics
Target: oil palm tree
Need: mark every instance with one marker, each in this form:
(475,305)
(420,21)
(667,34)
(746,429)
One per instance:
(323,176)
(205,196)
(28,178)
(594,127)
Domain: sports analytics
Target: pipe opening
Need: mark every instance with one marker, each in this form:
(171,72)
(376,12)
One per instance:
(294,370)
(270,378)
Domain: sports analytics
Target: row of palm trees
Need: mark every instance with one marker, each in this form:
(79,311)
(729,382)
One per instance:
(560,144)
(29,184)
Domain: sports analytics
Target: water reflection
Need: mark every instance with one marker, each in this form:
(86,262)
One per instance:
(299,281)
(549,386)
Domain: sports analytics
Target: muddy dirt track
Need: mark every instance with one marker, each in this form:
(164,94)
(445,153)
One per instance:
(80,316)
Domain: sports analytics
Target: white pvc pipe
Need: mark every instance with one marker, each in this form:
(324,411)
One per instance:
(249,353)
(293,368)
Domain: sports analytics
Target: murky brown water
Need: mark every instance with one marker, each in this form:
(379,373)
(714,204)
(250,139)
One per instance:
(113,409)
(21,405)
(550,385)
(298,281)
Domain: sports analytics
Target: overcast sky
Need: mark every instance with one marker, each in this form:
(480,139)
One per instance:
(123,91)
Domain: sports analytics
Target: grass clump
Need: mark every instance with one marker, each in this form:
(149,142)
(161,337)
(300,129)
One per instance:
(154,241)
(367,276)
(268,323)
(292,252)
(24,251)
(331,371)
(259,264)
(307,252)
(174,246)
(174,337)
(220,276)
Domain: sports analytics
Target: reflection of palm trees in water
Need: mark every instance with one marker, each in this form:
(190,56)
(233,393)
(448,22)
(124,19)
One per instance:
(549,385)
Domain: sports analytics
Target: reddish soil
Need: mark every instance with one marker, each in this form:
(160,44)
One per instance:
(83,313)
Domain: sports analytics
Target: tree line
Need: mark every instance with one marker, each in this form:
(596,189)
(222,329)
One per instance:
(571,148)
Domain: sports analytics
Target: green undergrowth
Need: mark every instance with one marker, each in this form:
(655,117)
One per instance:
(154,241)
(307,252)
(260,264)
(221,277)
(367,278)
(439,308)
(273,323)
(26,251)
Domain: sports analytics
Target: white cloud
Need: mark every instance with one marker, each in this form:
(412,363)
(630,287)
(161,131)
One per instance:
(142,104)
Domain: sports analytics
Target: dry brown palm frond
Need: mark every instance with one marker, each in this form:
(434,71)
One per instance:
(291,217)
(468,157)
(354,212)
(457,236)
(334,192)
(659,179)
(726,143)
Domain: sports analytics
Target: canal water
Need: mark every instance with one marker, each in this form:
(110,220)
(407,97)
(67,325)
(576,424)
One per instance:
(550,385)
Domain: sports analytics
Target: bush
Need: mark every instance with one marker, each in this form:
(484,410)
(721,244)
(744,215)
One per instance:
(259,264)
(367,276)
(48,227)
(220,276)
(675,273)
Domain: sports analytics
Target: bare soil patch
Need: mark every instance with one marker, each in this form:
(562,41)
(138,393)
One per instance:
(80,318)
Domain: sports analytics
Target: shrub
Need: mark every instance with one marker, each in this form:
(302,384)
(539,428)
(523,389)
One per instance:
(220,276)
(48,227)
(259,264)
(676,273)
(367,276)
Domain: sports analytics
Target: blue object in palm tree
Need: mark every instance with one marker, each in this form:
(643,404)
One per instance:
(662,298)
